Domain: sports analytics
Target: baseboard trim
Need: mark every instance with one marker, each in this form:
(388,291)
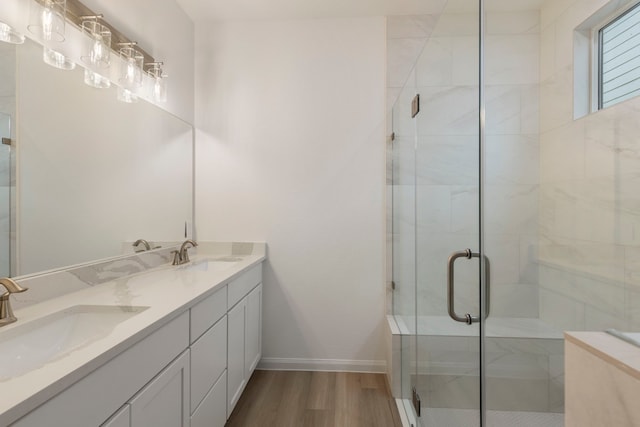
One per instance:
(324,365)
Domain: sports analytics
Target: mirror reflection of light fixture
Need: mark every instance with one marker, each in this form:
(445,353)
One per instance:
(96,50)
(9,35)
(125,95)
(132,61)
(57,60)
(94,79)
(47,19)
(159,82)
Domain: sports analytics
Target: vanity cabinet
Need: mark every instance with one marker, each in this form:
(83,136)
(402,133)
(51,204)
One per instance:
(236,376)
(253,330)
(164,402)
(189,372)
(96,397)
(245,343)
(122,418)
(212,412)
(209,362)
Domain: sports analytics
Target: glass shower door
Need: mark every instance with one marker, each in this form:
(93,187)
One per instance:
(403,196)
(5,194)
(448,233)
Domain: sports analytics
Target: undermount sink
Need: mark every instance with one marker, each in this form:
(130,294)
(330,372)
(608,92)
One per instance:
(213,264)
(630,337)
(30,346)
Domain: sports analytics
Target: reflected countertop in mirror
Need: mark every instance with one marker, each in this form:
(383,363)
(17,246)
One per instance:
(91,174)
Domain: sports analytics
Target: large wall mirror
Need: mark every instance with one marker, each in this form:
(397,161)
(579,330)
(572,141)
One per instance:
(85,174)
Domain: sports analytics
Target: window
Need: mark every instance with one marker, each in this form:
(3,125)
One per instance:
(619,58)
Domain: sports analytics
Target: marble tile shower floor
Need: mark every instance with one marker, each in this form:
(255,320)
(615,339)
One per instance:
(442,417)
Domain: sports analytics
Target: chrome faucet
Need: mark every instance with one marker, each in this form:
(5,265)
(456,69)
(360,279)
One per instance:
(6,313)
(182,256)
(147,246)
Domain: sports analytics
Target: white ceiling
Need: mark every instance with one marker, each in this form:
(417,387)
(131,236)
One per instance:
(235,10)
(229,10)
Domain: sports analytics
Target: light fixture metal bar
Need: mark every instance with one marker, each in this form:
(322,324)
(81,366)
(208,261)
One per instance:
(78,12)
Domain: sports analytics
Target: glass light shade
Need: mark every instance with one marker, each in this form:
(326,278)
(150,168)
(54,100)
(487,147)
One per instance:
(160,89)
(125,95)
(96,50)
(57,60)
(158,82)
(9,35)
(47,19)
(131,73)
(96,80)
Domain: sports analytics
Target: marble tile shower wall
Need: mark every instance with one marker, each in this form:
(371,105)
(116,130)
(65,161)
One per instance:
(446,186)
(406,36)
(7,107)
(589,200)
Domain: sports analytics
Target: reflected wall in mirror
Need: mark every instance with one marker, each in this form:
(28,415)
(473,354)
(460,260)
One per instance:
(7,133)
(92,174)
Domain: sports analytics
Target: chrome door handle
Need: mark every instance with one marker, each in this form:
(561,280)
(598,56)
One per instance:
(467,318)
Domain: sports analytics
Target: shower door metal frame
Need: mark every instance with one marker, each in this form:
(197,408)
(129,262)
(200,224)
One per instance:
(484,294)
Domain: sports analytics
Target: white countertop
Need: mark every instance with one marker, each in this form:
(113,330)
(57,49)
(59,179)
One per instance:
(167,290)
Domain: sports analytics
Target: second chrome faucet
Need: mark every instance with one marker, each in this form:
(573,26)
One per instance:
(6,313)
(182,256)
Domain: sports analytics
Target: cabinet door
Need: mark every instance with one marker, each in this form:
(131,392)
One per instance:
(164,402)
(122,418)
(253,337)
(236,318)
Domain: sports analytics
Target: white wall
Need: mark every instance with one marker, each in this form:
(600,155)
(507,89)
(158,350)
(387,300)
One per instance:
(290,150)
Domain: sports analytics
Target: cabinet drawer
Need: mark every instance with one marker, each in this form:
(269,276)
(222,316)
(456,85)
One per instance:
(207,312)
(242,285)
(208,361)
(213,410)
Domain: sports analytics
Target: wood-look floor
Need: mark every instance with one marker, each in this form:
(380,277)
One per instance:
(310,399)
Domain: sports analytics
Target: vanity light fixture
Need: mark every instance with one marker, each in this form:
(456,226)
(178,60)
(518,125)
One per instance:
(94,79)
(158,80)
(132,63)
(10,35)
(47,19)
(96,50)
(134,67)
(57,59)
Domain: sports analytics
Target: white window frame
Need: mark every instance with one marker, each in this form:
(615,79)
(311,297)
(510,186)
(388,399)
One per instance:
(585,56)
(596,55)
